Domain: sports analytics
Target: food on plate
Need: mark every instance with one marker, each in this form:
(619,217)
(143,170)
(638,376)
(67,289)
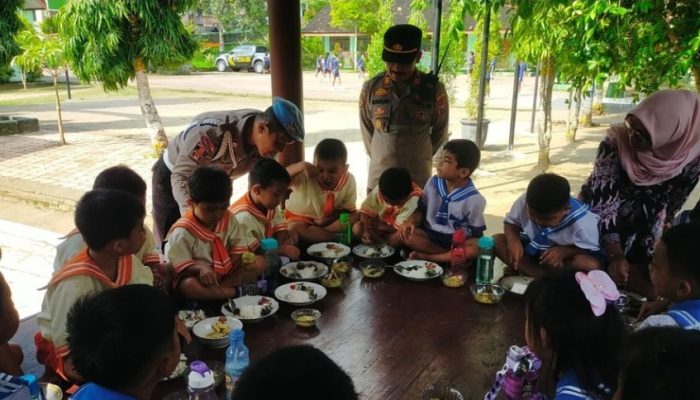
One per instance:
(306,317)
(329,250)
(488,294)
(341,267)
(301,293)
(453,281)
(179,368)
(254,311)
(375,251)
(419,271)
(304,270)
(191,317)
(332,280)
(486,298)
(373,270)
(220,329)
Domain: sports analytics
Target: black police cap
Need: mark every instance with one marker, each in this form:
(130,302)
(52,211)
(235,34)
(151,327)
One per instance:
(401,43)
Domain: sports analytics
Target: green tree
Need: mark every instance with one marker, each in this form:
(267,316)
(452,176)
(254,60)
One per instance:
(114,41)
(495,45)
(10,24)
(359,15)
(251,20)
(309,9)
(225,15)
(385,19)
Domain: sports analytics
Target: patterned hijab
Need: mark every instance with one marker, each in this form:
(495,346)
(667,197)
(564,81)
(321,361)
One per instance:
(672,118)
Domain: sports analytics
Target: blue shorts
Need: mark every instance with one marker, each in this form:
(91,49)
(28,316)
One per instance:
(443,240)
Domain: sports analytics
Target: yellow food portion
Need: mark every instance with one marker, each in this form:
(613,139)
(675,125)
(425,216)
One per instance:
(220,329)
(372,272)
(306,320)
(453,281)
(486,298)
(340,267)
(330,282)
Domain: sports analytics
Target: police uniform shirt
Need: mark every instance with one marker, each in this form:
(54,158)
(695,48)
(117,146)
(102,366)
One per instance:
(401,129)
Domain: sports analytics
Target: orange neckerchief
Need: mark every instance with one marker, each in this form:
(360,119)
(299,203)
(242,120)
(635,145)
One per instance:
(390,210)
(246,203)
(221,260)
(83,264)
(329,203)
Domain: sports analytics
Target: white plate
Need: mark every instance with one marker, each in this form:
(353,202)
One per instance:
(250,301)
(283,292)
(365,251)
(416,270)
(329,250)
(516,283)
(292,272)
(203,328)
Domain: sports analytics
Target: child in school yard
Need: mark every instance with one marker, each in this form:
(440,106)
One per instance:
(123,342)
(111,223)
(320,192)
(259,214)
(119,177)
(660,363)
(547,229)
(11,355)
(390,211)
(450,202)
(675,276)
(572,326)
(200,244)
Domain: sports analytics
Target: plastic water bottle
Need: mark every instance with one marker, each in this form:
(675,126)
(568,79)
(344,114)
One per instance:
(456,276)
(345,234)
(35,392)
(484,262)
(268,283)
(237,360)
(200,382)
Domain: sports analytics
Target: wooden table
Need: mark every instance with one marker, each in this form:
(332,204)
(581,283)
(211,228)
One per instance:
(394,337)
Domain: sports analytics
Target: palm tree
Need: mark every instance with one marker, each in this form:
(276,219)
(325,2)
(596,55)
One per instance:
(114,41)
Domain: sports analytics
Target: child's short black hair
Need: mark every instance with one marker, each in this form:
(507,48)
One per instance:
(121,177)
(547,193)
(279,373)
(209,184)
(660,363)
(330,149)
(466,152)
(103,215)
(266,172)
(395,184)
(681,243)
(578,340)
(116,335)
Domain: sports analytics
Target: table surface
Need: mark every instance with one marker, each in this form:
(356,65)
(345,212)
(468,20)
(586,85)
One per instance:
(393,336)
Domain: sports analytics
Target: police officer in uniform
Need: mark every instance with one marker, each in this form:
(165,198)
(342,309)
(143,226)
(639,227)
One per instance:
(403,112)
(231,140)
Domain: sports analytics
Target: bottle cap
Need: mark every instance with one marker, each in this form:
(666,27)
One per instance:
(31,381)
(486,242)
(200,376)
(236,334)
(459,236)
(268,244)
(344,217)
(248,257)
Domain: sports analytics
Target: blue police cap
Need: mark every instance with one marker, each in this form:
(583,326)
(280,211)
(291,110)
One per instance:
(289,116)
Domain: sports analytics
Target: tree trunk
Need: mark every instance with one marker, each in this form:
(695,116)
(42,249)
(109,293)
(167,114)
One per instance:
(571,132)
(544,120)
(159,140)
(23,75)
(696,74)
(598,107)
(571,110)
(222,45)
(587,113)
(61,136)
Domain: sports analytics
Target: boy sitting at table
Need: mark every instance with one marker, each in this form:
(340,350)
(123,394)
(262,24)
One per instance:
(123,342)
(390,211)
(450,202)
(200,244)
(11,355)
(259,214)
(320,192)
(547,229)
(119,177)
(111,223)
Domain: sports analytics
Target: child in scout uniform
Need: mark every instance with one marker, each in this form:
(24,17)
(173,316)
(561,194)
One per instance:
(259,214)
(320,192)
(675,275)
(200,244)
(111,223)
(390,212)
(546,228)
(119,177)
(450,202)
(123,342)
(231,140)
(404,113)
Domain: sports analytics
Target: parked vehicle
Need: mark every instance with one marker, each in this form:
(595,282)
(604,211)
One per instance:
(248,57)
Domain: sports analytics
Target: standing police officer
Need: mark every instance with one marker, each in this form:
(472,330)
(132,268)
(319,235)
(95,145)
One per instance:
(403,112)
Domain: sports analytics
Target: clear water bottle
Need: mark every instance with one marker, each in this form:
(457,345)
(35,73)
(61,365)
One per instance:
(484,262)
(456,275)
(268,283)
(200,382)
(237,360)
(345,234)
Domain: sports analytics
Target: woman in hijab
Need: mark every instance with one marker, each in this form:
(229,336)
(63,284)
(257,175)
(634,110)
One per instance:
(643,173)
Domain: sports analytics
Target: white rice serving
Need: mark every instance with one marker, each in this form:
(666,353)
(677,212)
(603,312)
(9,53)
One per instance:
(298,296)
(250,311)
(307,273)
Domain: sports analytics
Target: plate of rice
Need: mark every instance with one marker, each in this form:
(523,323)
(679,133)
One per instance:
(330,250)
(300,293)
(251,308)
(304,270)
(191,317)
(373,251)
(418,270)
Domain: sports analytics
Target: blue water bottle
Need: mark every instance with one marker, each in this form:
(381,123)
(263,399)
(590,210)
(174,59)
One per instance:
(268,283)
(237,360)
(484,261)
